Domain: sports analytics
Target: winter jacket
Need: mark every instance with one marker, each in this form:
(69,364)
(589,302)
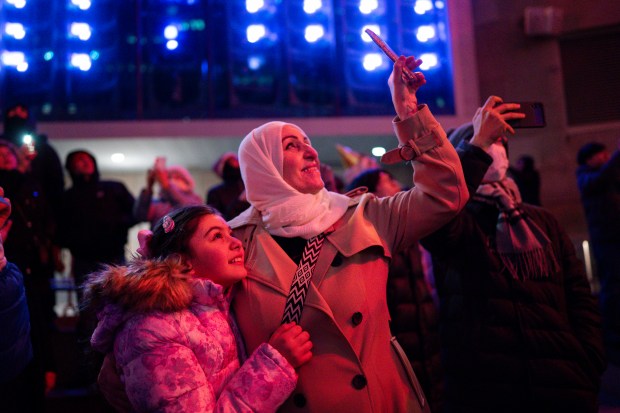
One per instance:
(15,345)
(356,366)
(96,207)
(600,195)
(228,198)
(415,319)
(30,239)
(176,347)
(513,345)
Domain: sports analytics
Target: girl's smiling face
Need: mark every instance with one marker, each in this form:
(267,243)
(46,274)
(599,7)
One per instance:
(214,253)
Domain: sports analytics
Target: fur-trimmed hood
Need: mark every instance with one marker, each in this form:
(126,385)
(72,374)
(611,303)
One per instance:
(142,286)
(118,293)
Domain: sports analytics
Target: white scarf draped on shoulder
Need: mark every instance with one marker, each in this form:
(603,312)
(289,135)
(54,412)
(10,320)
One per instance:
(284,210)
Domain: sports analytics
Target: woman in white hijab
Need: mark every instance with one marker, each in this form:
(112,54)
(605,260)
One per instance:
(356,366)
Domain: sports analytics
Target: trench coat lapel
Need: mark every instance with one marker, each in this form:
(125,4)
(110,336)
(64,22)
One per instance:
(270,252)
(344,238)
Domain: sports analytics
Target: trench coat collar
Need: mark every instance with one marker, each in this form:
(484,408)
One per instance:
(349,236)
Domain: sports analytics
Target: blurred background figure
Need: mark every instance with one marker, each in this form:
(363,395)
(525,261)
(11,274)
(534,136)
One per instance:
(95,221)
(18,388)
(330,179)
(29,240)
(228,197)
(412,299)
(354,162)
(527,178)
(96,217)
(46,167)
(176,189)
(598,177)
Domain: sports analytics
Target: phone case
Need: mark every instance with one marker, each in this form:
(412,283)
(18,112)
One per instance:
(534,115)
(388,52)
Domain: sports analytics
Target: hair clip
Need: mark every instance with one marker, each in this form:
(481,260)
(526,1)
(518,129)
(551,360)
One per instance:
(168,224)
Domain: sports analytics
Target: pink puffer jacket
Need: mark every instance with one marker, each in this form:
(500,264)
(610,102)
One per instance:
(186,360)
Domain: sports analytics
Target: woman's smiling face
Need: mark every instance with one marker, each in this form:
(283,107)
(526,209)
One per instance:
(300,162)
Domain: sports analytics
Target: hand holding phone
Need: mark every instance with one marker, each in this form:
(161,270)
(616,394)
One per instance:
(407,73)
(534,115)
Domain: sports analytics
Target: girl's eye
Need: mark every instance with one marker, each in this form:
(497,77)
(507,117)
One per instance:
(290,145)
(218,235)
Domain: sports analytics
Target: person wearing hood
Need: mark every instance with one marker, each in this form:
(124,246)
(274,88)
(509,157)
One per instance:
(520,329)
(96,217)
(95,220)
(176,189)
(170,336)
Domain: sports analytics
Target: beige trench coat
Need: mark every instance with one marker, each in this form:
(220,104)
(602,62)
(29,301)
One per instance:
(356,365)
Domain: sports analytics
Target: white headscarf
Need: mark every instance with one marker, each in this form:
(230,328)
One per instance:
(284,210)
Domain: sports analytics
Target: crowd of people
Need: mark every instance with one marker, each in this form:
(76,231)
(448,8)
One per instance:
(290,288)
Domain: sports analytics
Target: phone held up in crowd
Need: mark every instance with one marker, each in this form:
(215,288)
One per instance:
(534,115)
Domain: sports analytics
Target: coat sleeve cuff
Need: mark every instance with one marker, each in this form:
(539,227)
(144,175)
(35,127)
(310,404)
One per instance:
(416,135)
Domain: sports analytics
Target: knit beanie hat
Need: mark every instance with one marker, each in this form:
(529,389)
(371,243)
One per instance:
(463,133)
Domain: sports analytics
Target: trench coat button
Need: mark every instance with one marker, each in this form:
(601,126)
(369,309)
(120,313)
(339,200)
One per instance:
(357,318)
(337,262)
(359,382)
(299,400)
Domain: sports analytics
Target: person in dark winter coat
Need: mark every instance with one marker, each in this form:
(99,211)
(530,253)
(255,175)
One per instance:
(29,241)
(92,206)
(411,299)
(598,177)
(16,354)
(520,328)
(95,221)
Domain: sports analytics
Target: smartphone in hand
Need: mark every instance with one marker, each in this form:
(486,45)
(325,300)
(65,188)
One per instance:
(534,115)
(408,74)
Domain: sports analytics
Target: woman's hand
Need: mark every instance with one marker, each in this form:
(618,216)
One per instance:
(491,121)
(403,89)
(293,343)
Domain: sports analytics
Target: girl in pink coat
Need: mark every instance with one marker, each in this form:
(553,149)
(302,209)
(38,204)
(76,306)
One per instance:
(166,319)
